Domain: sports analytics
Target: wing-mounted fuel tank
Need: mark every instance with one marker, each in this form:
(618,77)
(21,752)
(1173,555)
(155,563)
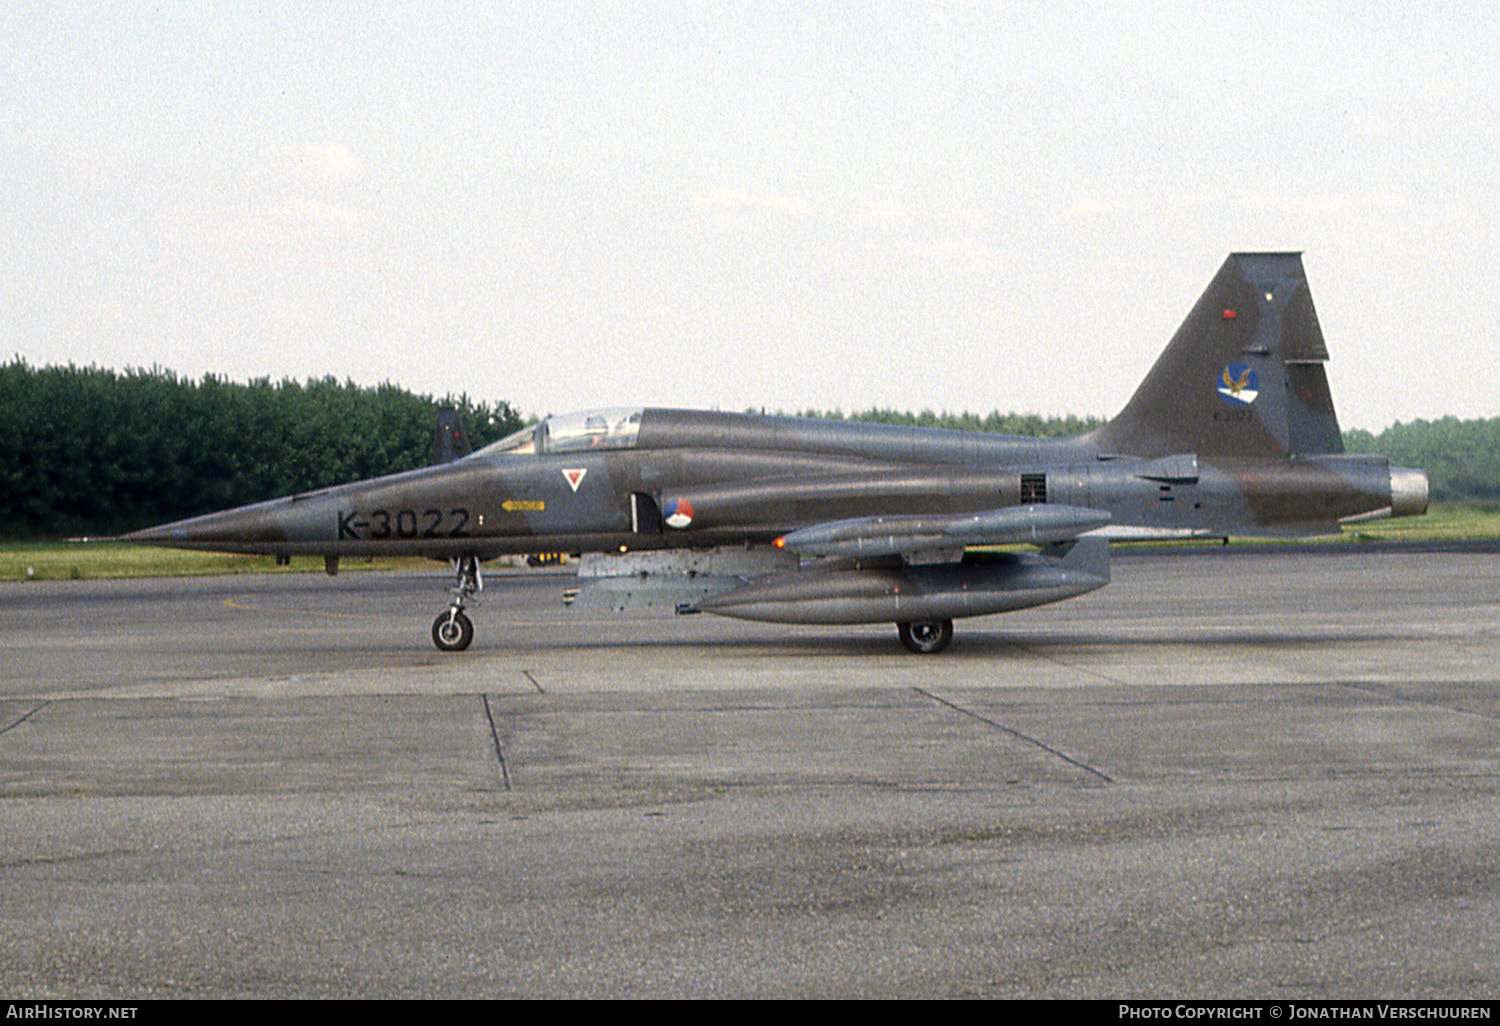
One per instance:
(933,533)
(852,591)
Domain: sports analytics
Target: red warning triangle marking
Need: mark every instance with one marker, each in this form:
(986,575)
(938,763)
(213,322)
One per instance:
(575,476)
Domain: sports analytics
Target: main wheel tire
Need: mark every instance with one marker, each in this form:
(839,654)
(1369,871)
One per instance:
(452,631)
(926,637)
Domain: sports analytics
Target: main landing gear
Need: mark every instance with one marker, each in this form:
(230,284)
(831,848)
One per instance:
(452,630)
(926,637)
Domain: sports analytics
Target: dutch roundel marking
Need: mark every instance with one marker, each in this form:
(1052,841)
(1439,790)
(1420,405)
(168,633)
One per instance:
(1239,384)
(678,513)
(574,476)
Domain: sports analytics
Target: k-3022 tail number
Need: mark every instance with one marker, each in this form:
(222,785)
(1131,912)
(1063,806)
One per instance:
(379,524)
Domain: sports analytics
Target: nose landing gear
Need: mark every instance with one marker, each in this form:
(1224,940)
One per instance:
(453,630)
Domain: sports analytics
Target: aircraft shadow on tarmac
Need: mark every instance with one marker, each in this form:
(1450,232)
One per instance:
(981,644)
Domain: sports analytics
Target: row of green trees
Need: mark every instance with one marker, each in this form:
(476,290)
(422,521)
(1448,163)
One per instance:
(1030,424)
(84,450)
(1461,457)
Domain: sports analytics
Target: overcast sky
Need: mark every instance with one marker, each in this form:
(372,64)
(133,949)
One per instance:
(930,205)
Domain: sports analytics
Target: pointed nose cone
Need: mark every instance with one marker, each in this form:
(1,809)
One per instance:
(234,526)
(160,535)
(245,529)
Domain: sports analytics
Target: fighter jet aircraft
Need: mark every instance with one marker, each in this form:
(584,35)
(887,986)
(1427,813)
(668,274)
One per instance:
(790,520)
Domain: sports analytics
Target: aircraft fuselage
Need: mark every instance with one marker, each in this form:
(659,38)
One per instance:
(751,479)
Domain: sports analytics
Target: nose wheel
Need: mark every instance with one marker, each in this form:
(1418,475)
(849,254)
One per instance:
(926,638)
(452,631)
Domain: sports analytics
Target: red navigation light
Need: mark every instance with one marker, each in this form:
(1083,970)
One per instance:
(780,543)
(1230,315)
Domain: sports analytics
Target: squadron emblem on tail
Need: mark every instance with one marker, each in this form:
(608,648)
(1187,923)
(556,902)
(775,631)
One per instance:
(1239,384)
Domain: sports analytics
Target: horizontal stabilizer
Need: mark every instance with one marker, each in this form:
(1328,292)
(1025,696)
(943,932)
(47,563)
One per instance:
(906,535)
(1179,469)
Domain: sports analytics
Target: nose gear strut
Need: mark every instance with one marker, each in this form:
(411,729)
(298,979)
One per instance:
(452,630)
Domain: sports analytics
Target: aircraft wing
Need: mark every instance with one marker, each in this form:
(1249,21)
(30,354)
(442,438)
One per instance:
(922,534)
(688,579)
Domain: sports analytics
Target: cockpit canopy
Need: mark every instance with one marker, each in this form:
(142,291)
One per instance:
(614,428)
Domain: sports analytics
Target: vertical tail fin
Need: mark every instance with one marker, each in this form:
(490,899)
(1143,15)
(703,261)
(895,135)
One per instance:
(1243,376)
